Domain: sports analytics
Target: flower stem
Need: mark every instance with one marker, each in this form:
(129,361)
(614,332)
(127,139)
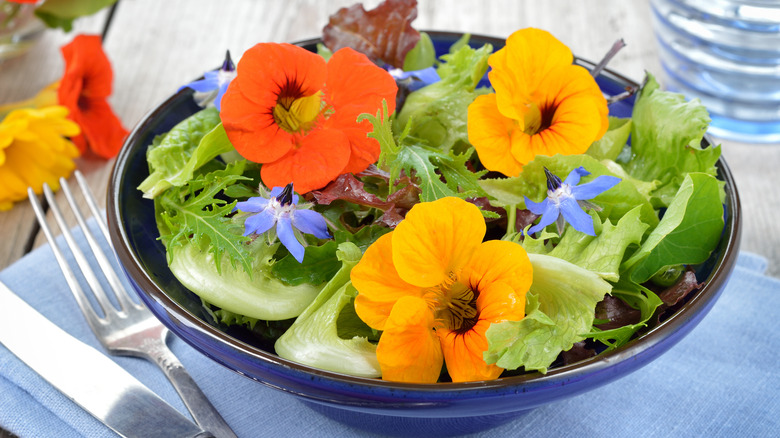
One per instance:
(511,219)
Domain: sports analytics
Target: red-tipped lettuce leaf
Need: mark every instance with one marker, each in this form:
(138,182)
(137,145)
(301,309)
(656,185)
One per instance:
(384,34)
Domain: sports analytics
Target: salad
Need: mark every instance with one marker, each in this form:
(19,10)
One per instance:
(375,210)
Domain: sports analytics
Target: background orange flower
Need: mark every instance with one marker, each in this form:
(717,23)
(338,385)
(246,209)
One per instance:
(297,114)
(84,88)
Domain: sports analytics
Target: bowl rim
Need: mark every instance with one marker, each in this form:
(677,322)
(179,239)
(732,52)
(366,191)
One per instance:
(700,300)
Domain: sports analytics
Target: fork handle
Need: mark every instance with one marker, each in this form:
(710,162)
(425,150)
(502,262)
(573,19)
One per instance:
(204,413)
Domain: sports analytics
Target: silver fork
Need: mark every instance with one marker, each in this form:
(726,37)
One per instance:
(131,329)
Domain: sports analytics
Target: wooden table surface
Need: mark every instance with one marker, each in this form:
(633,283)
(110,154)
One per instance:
(156,46)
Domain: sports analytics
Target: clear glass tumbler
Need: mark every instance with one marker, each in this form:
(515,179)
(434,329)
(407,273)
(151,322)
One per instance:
(726,53)
(19,28)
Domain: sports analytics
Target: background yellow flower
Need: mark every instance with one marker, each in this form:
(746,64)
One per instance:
(34,149)
(543,104)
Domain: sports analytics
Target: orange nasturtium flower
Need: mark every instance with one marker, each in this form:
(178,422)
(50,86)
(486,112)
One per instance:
(434,287)
(543,104)
(297,114)
(84,88)
(34,149)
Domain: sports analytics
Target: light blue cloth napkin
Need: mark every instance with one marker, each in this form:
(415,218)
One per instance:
(721,380)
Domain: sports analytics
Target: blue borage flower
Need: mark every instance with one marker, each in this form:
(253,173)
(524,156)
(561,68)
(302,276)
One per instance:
(566,201)
(415,79)
(281,211)
(215,81)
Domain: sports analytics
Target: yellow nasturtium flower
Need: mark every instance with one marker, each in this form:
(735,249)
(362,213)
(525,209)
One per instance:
(543,104)
(434,287)
(34,149)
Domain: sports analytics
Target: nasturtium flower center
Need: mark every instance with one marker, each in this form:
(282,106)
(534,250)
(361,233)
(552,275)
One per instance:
(454,305)
(533,119)
(297,115)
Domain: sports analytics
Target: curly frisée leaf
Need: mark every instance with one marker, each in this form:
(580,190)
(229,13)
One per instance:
(423,163)
(560,311)
(313,338)
(193,215)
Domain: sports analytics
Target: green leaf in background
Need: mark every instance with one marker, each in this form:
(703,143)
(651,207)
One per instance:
(318,266)
(438,111)
(615,202)
(603,253)
(170,157)
(688,232)
(666,139)
(611,144)
(61,13)
(636,296)
(560,310)
(422,56)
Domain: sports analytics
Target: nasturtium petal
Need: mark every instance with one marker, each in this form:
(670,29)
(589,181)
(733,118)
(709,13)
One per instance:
(463,354)
(498,261)
(409,349)
(491,132)
(251,127)
(310,165)
(500,301)
(526,47)
(378,283)
(436,239)
(347,67)
(266,65)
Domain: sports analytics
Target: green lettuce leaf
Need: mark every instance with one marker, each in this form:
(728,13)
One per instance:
(559,312)
(255,294)
(438,111)
(603,253)
(422,56)
(688,232)
(318,266)
(666,139)
(611,144)
(314,338)
(169,160)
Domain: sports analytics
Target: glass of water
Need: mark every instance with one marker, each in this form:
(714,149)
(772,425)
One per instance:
(727,54)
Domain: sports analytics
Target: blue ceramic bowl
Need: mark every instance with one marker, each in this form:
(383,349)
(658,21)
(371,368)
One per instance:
(385,407)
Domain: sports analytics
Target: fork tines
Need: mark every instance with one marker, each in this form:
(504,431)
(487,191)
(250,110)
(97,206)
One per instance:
(103,261)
